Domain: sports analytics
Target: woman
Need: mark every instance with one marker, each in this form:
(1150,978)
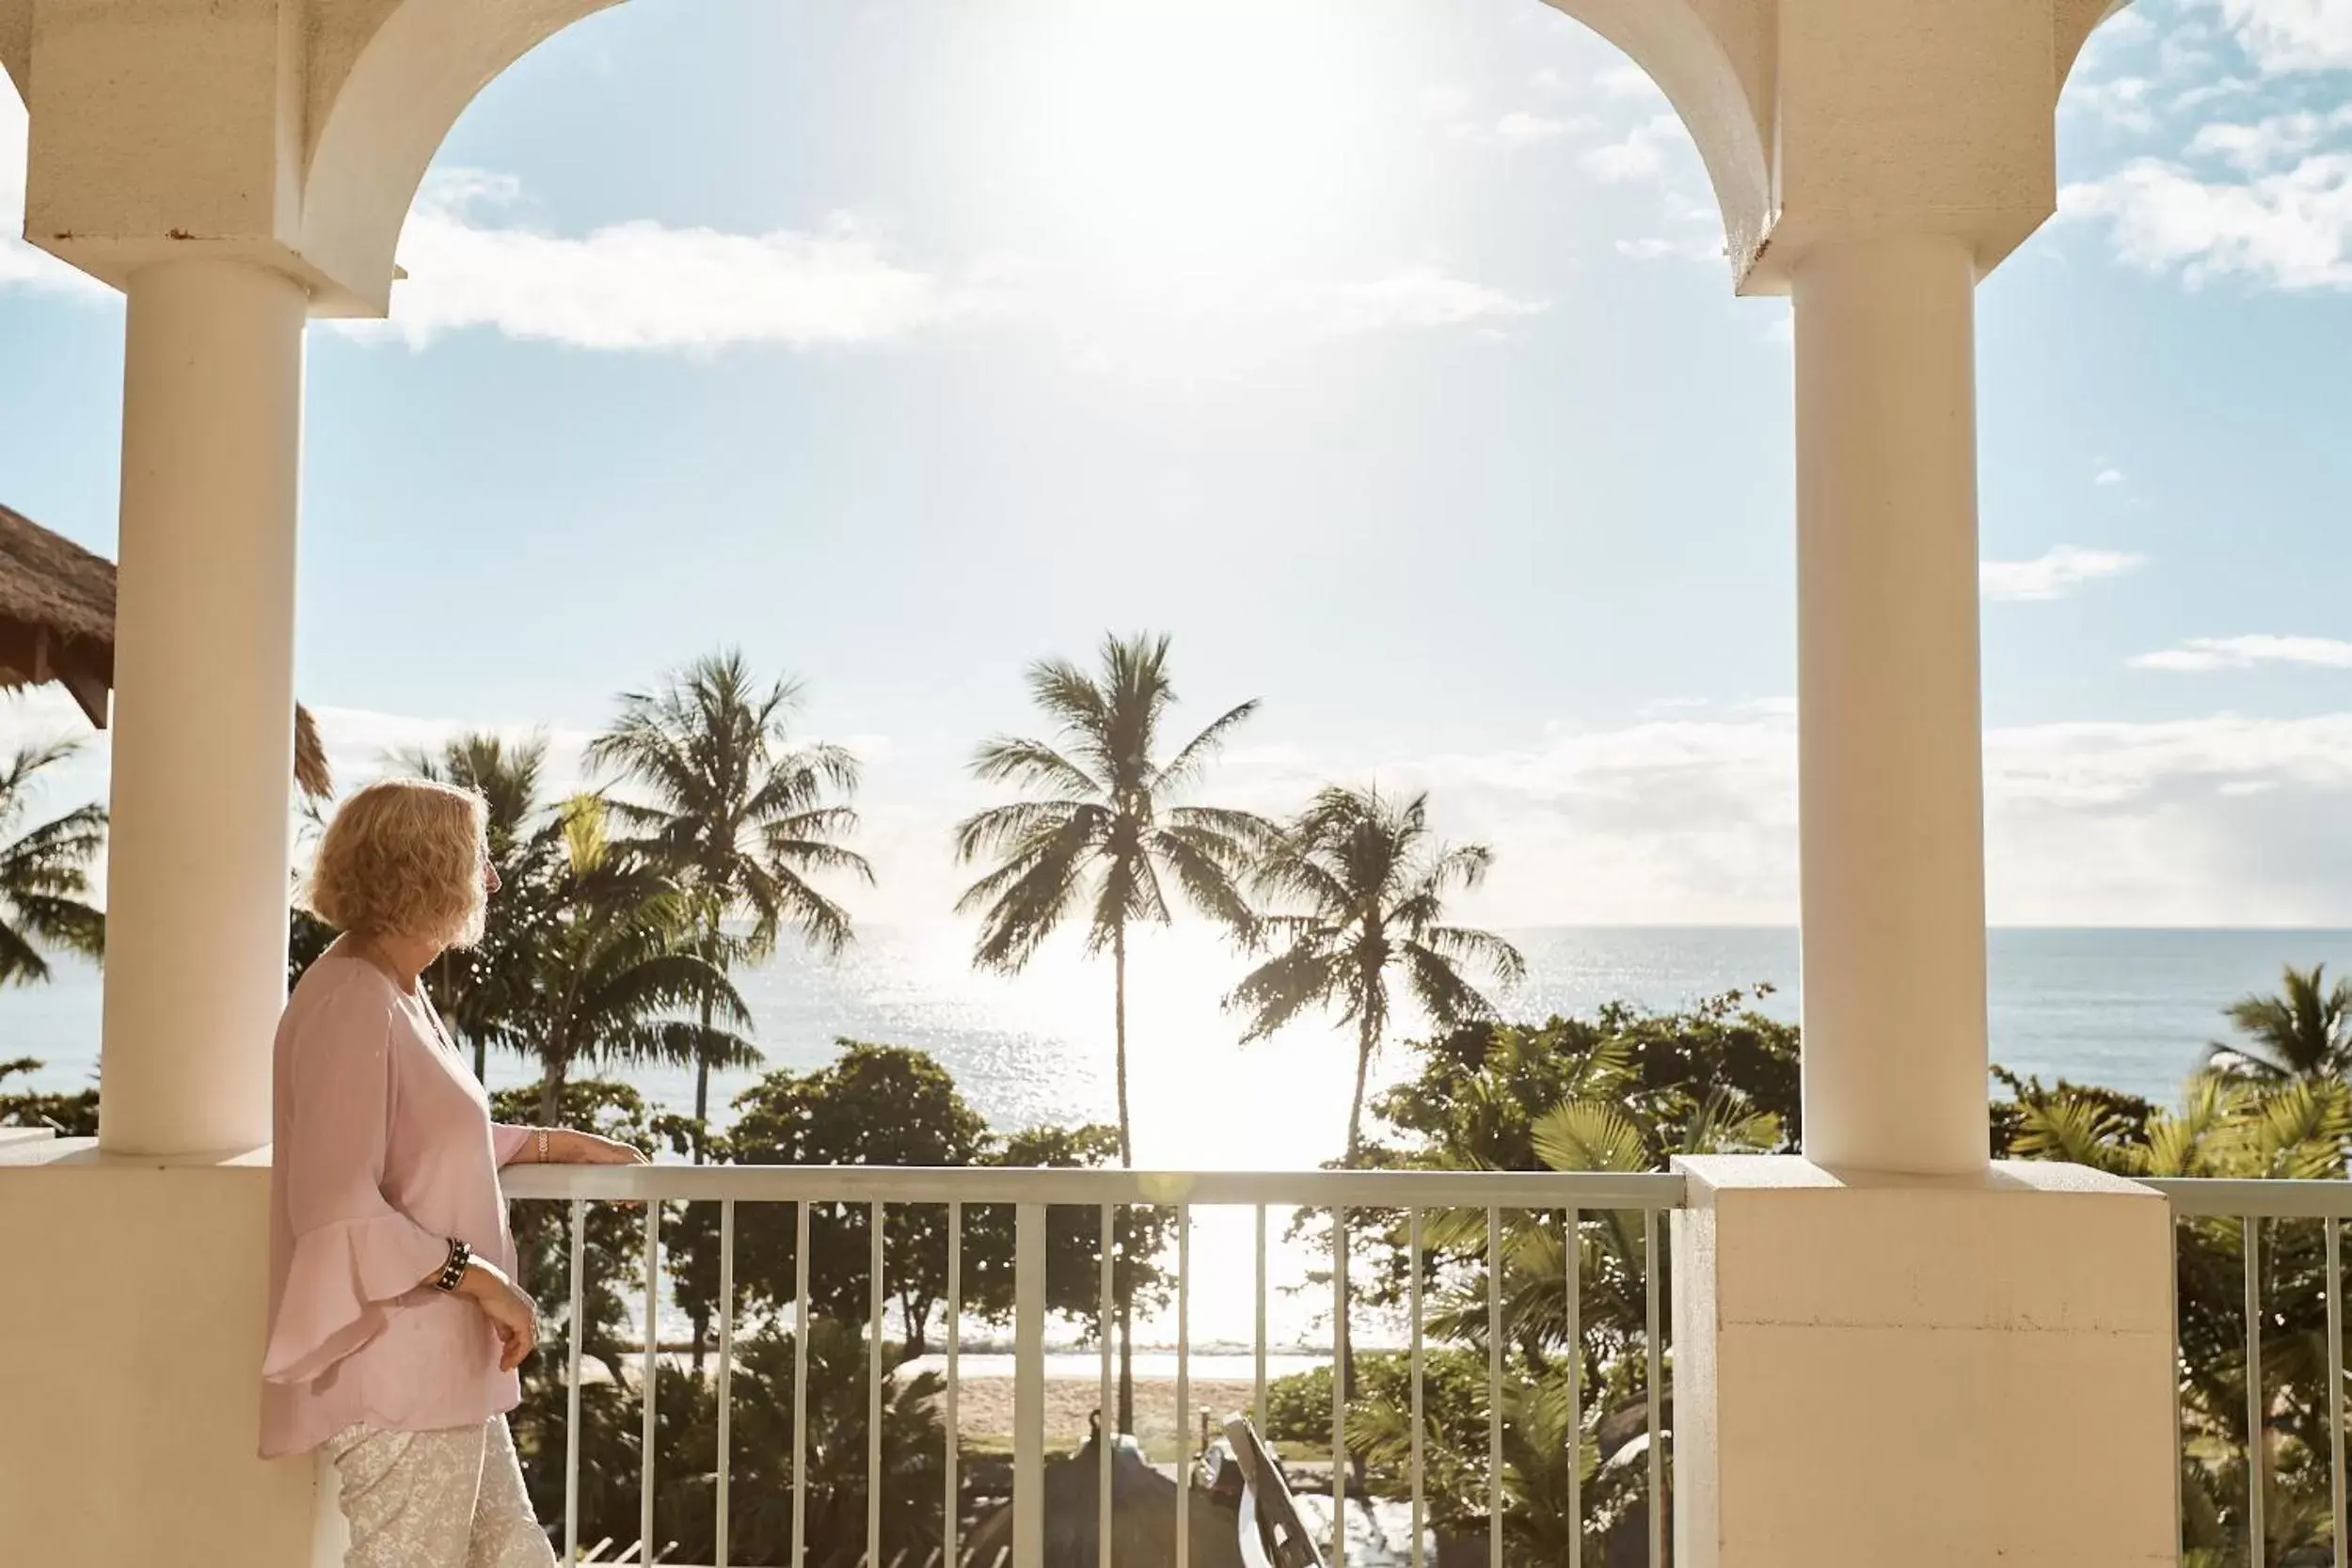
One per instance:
(395,1323)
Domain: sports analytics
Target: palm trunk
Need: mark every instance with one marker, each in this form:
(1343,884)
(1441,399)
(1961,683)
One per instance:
(1366,1043)
(702,1088)
(551,1087)
(481,1060)
(702,1114)
(702,1104)
(1127,1161)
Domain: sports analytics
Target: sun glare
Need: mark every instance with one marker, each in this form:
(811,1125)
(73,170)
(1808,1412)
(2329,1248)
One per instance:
(1203,140)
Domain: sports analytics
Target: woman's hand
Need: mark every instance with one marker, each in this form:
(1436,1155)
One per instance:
(567,1148)
(512,1316)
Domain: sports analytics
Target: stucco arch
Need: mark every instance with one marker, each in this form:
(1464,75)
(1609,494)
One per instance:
(388,79)
(1712,59)
(2076,21)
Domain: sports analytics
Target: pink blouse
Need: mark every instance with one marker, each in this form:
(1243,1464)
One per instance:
(385,1149)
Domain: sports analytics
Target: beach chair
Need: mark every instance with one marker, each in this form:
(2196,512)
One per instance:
(1272,1534)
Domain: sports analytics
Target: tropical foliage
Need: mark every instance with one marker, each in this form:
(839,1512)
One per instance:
(615,962)
(622,913)
(739,813)
(2303,1032)
(485,992)
(1370,886)
(68,1116)
(843,1113)
(1102,831)
(44,873)
(887,1105)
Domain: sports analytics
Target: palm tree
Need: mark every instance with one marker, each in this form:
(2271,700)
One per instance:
(741,817)
(2303,1032)
(615,958)
(1372,885)
(478,989)
(44,873)
(1103,832)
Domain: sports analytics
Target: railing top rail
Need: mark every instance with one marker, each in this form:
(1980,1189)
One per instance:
(1423,1189)
(2261,1198)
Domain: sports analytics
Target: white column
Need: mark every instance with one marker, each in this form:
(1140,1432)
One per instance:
(198,865)
(1889,719)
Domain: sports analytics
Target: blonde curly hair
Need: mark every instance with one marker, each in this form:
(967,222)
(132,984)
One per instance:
(405,858)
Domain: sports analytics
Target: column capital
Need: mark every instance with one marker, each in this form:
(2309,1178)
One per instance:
(290,135)
(1924,118)
(1828,121)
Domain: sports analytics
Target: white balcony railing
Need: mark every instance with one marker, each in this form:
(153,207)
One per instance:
(1396,1197)
(2288,1241)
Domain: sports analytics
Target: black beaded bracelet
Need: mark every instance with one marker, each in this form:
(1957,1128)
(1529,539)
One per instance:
(453,1272)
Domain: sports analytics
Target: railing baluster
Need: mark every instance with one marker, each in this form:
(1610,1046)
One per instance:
(951,1519)
(1338,1387)
(2335,1381)
(1183,1386)
(571,1384)
(2257,1533)
(726,1366)
(1575,1236)
(800,1384)
(1257,1404)
(1412,1258)
(653,1347)
(1494,1388)
(1655,1380)
(876,1218)
(1028,1387)
(2179,1515)
(1106,1422)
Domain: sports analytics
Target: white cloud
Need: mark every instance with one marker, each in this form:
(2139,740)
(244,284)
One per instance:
(2121,102)
(1625,80)
(1640,155)
(2220,820)
(2290,230)
(1416,297)
(1687,248)
(2268,142)
(1519,128)
(2055,575)
(2214,92)
(2247,653)
(1681,817)
(642,285)
(2106,478)
(2292,35)
(2204,820)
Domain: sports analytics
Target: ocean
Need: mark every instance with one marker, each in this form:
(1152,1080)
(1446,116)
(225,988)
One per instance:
(2131,1008)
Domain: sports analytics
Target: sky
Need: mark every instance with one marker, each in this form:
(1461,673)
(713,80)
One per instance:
(1381,353)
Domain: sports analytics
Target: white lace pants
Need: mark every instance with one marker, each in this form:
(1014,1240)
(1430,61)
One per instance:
(452,1498)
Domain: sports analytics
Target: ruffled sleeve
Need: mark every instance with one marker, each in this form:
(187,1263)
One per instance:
(353,1251)
(508,1141)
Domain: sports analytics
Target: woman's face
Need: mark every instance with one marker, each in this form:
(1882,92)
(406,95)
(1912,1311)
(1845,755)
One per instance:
(472,933)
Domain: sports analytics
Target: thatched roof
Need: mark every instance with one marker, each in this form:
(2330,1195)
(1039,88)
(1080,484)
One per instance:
(57,624)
